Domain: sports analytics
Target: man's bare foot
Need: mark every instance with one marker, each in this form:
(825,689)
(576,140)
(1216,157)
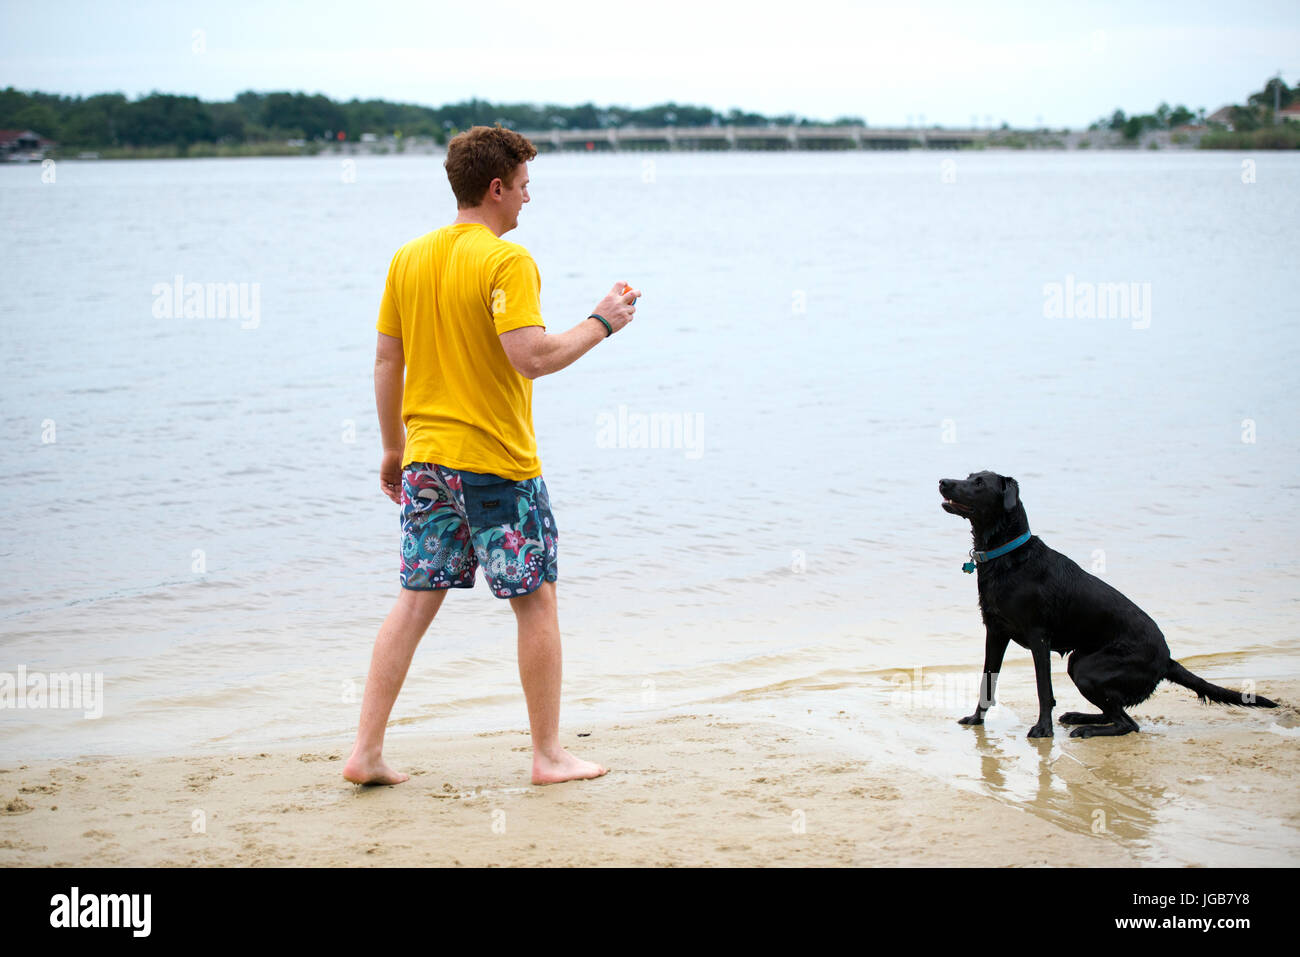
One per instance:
(560,765)
(361,769)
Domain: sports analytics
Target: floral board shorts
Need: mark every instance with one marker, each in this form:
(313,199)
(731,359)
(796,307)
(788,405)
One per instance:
(454,521)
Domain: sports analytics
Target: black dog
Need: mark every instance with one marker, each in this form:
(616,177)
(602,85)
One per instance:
(1042,601)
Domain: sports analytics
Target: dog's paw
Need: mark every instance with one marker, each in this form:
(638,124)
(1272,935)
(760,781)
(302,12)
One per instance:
(1042,730)
(1085,731)
(971,719)
(1073,717)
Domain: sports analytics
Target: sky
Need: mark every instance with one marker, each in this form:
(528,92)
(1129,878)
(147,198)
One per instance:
(948,62)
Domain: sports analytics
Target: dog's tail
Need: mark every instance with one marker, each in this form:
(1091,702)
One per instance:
(1208,692)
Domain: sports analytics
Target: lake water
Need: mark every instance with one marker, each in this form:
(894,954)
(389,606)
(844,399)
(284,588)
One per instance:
(191,507)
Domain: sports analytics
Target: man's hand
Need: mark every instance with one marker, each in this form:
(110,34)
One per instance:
(616,308)
(390,368)
(390,474)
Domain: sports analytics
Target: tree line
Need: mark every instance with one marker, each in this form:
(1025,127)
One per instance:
(164,119)
(107,120)
(1256,114)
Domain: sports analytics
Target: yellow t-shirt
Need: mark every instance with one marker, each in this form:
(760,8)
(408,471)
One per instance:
(449,295)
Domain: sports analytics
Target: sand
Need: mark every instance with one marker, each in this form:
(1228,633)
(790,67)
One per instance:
(895,786)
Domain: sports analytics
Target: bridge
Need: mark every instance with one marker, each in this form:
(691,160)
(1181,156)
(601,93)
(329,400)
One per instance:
(755,138)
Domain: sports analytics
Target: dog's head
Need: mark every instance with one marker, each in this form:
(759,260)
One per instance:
(982,497)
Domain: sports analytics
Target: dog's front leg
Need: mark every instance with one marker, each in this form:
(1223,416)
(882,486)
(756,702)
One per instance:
(995,647)
(1041,648)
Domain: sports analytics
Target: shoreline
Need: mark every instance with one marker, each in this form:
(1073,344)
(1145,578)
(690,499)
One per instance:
(718,787)
(354,151)
(424,154)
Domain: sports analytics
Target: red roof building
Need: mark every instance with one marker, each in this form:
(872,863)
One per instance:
(23,145)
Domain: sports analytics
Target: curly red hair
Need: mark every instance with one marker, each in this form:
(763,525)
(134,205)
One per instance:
(481,154)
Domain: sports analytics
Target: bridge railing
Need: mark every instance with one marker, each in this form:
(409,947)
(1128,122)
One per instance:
(755,137)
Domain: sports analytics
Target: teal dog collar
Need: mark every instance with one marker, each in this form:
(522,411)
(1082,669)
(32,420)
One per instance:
(981,557)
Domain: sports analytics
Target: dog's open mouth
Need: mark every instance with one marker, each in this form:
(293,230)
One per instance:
(955,507)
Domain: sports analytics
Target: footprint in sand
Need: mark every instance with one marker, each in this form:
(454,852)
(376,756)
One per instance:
(39,789)
(199,780)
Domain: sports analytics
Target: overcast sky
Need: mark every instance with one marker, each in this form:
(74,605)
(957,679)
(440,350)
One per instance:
(946,60)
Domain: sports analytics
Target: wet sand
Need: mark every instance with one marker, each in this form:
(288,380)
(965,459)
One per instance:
(885,780)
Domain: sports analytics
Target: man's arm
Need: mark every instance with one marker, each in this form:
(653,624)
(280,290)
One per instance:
(390,368)
(534,352)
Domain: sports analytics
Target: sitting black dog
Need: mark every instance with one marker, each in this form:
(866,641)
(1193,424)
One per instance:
(1042,601)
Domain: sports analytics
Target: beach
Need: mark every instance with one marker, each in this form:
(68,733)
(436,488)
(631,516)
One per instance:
(878,255)
(1198,786)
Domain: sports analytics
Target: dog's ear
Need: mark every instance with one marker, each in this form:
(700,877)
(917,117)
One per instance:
(1010,493)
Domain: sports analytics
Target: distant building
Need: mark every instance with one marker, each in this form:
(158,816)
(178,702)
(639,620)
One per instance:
(1223,116)
(23,146)
(1291,112)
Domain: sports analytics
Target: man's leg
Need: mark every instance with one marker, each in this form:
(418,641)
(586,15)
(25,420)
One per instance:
(398,637)
(539,670)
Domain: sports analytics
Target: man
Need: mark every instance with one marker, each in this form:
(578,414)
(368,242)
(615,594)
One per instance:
(461,312)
